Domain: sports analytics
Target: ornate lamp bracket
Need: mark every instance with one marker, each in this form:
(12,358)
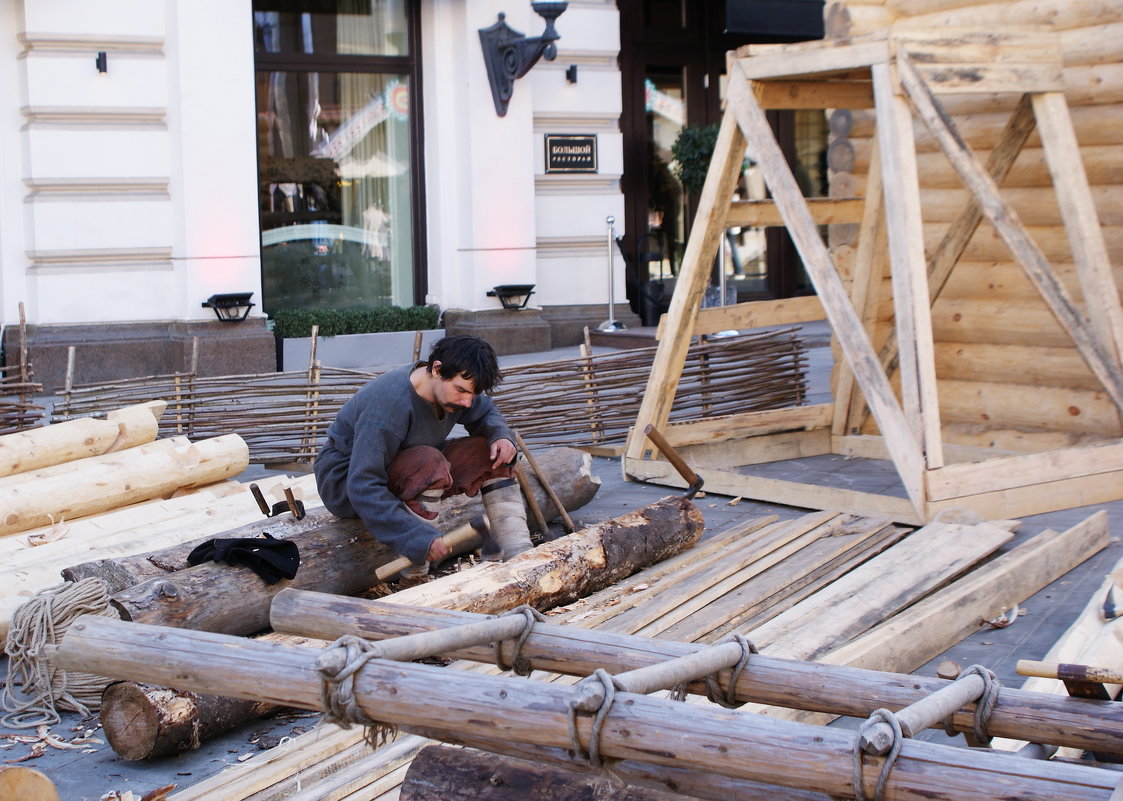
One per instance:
(509,55)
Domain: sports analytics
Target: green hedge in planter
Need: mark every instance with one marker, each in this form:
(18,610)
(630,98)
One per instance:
(292,323)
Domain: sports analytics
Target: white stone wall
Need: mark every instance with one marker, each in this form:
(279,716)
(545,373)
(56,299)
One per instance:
(494,216)
(129,195)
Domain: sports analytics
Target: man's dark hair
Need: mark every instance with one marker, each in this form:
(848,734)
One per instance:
(469,356)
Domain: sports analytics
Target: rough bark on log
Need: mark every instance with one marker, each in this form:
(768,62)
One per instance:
(568,568)
(831,688)
(568,469)
(443,773)
(142,721)
(341,558)
(541,580)
(463,707)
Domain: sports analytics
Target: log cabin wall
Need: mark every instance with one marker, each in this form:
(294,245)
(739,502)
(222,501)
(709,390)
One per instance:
(1008,376)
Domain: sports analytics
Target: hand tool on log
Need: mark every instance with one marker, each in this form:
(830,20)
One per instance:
(289,504)
(553,496)
(693,480)
(461,535)
(1081,681)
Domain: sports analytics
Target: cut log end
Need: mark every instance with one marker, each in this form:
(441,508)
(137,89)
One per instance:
(131,719)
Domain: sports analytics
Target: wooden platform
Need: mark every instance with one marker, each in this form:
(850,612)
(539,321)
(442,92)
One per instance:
(889,395)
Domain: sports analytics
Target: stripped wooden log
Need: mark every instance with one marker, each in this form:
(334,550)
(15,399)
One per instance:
(78,439)
(795,684)
(117,479)
(460,707)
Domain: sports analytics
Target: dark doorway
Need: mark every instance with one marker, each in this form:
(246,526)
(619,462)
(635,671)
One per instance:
(672,61)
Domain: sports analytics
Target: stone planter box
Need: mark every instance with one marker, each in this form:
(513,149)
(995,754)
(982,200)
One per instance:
(361,351)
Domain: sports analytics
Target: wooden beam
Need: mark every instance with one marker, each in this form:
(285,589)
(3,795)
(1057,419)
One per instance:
(1089,250)
(814,59)
(1009,227)
(911,309)
(824,210)
(748,424)
(845,323)
(1023,470)
(816,94)
(873,447)
(790,493)
(865,287)
(753,314)
(701,247)
(948,252)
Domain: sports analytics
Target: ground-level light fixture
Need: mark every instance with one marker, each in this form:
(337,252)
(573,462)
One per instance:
(512,296)
(230,307)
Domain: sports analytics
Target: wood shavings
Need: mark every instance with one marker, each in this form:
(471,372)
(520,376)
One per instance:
(57,531)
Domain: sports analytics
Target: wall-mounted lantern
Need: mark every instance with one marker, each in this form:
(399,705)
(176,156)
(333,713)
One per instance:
(509,55)
(512,296)
(230,307)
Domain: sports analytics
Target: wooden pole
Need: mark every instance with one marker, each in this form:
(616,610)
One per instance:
(542,477)
(834,689)
(461,707)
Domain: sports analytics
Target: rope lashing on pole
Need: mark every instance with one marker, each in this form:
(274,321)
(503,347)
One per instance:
(519,664)
(876,717)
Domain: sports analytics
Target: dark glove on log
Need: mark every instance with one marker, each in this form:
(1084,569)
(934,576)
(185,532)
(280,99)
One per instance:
(270,558)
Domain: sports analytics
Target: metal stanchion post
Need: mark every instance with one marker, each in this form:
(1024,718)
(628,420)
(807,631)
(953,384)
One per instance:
(611,324)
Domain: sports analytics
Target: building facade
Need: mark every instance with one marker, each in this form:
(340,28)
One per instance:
(338,153)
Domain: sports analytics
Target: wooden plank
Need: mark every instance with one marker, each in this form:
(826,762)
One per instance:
(961,79)
(920,633)
(816,94)
(790,493)
(734,426)
(1008,472)
(1008,225)
(701,247)
(908,272)
(968,46)
(1089,250)
(1039,498)
(813,59)
(770,587)
(759,449)
(845,323)
(865,286)
(752,314)
(873,447)
(824,210)
(877,589)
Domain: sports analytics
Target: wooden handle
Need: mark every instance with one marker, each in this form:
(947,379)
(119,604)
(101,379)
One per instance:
(462,535)
(1068,672)
(668,451)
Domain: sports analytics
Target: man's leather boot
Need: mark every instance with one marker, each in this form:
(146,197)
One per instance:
(506,515)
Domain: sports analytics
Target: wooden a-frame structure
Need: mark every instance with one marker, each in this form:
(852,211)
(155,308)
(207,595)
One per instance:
(898,73)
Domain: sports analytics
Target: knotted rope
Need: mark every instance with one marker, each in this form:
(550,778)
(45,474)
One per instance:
(877,716)
(337,666)
(984,706)
(592,753)
(40,622)
(519,664)
(728,698)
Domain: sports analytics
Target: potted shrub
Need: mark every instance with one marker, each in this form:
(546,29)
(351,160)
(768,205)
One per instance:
(355,338)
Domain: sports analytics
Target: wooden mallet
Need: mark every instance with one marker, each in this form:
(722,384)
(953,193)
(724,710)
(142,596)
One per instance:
(461,535)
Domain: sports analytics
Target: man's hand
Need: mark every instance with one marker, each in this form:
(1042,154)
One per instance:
(438,550)
(502,452)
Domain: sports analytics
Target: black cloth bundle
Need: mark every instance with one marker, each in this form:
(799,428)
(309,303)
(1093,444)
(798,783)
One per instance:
(268,557)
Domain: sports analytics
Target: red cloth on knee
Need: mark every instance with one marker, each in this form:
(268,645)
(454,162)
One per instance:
(470,465)
(415,470)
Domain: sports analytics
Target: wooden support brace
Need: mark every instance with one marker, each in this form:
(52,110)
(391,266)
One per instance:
(1009,226)
(852,337)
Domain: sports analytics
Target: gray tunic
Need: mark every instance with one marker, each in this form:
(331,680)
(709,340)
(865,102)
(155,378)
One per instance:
(375,425)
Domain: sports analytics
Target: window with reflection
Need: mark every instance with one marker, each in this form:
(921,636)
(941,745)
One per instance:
(336,150)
